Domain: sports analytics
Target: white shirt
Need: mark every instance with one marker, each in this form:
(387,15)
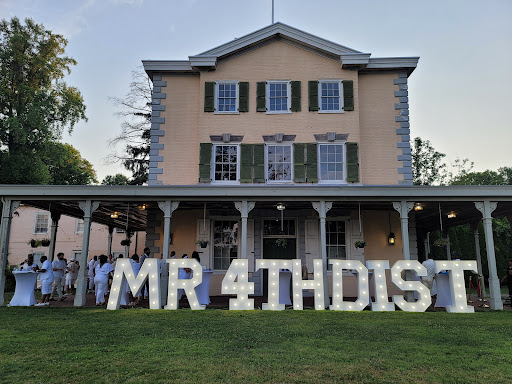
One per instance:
(102,271)
(91,267)
(59,264)
(73,269)
(28,267)
(48,275)
(431,267)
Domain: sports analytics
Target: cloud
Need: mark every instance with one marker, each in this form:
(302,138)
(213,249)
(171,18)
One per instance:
(127,2)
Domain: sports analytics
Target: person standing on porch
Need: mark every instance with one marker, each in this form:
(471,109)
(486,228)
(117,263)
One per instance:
(91,273)
(59,268)
(145,289)
(46,278)
(101,273)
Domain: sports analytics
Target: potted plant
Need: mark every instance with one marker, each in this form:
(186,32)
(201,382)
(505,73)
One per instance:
(202,243)
(283,243)
(360,244)
(126,242)
(45,242)
(34,243)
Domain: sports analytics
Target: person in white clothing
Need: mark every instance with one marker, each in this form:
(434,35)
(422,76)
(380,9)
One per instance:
(29,264)
(59,268)
(101,274)
(428,280)
(91,273)
(136,268)
(46,278)
(71,275)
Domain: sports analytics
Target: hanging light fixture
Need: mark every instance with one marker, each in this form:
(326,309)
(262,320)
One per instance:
(114,215)
(452,215)
(418,207)
(391,237)
(281,207)
(142,207)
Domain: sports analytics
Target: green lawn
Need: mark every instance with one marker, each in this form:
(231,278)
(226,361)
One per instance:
(68,345)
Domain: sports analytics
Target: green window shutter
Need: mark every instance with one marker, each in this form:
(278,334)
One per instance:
(243,96)
(209,96)
(259,163)
(261,100)
(246,163)
(296,90)
(299,169)
(352,162)
(312,163)
(348,95)
(313,95)
(205,158)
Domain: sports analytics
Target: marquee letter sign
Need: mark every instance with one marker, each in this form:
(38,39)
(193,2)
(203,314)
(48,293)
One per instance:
(236,282)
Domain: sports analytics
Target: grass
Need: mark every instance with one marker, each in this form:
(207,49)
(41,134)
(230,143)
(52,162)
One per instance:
(70,345)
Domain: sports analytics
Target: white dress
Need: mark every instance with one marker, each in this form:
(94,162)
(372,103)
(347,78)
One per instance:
(101,281)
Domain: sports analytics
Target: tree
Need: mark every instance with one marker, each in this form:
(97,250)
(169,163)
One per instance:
(427,165)
(67,167)
(135,110)
(117,179)
(36,105)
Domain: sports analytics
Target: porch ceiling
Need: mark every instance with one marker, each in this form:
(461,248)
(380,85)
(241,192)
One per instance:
(126,199)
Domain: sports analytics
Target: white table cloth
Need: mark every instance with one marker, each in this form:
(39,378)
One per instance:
(284,287)
(203,289)
(444,296)
(24,292)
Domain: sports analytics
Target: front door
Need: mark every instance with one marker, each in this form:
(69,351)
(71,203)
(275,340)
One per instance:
(279,242)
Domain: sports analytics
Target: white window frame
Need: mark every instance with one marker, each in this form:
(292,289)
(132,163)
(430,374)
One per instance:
(212,171)
(237,97)
(341,102)
(338,182)
(212,229)
(47,214)
(348,237)
(284,144)
(288,92)
(77,226)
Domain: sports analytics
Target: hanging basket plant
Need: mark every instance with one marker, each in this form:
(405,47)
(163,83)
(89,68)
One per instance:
(45,242)
(442,242)
(360,244)
(126,242)
(283,243)
(202,243)
(34,243)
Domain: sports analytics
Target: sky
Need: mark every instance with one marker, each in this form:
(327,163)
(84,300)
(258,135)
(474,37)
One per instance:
(459,96)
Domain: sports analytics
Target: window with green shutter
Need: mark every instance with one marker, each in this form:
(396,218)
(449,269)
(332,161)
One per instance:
(205,158)
(243,96)
(313,95)
(246,163)
(348,95)
(259,162)
(261,100)
(296,94)
(311,164)
(299,167)
(352,162)
(209,96)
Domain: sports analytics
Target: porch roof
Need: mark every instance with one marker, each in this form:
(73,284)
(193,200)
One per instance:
(460,199)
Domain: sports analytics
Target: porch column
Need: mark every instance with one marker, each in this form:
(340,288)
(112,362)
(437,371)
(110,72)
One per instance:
(426,247)
(109,240)
(403,208)
(88,207)
(448,247)
(127,236)
(168,207)
(8,209)
(487,207)
(53,235)
(474,226)
(244,207)
(322,207)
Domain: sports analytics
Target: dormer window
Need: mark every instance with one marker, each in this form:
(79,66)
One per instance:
(226,100)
